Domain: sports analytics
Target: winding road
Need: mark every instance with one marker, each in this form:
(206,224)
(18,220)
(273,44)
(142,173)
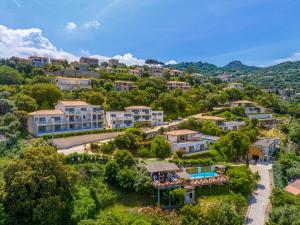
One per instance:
(259,203)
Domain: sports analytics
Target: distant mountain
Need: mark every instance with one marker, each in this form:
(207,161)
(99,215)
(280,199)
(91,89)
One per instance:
(239,66)
(195,67)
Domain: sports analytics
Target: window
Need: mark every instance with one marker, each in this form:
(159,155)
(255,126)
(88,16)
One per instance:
(83,109)
(42,119)
(191,195)
(57,127)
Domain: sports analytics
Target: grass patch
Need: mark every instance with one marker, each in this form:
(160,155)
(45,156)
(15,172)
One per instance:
(212,193)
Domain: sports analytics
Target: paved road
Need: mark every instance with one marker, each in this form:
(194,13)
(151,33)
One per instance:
(260,200)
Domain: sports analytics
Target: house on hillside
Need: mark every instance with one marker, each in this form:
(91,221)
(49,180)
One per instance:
(293,187)
(264,149)
(93,62)
(172,85)
(38,61)
(124,85)
(68,116)
(65,83)
(236,85)
(187,140)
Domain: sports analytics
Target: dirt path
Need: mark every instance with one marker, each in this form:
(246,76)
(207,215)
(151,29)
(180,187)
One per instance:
(259,202)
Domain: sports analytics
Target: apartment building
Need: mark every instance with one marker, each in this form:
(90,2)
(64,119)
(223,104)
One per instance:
(68,116)
(93,62)
(137,71)
(124,85)
(58,62)
(172,85)
(119,119)
(134,114)
(236,85)
(187,140)
(113,62)
(38,61)
(64,83)
(156,70)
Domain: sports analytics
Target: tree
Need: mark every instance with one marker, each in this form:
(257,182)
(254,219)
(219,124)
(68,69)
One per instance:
(143,182)
(284,215)
(160,147)
(123,158)
(25,103)
(38,188)
(9,76)
(5,106)
(46,95)
(241,180)
(108,86)
(126,178)
(94,98)
(111,170)
(177,197)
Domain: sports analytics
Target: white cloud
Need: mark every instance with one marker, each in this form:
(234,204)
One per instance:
(294,57)
(127,59)
(71,26)
(26,42)
(17,3)
(95,24)
(171,62)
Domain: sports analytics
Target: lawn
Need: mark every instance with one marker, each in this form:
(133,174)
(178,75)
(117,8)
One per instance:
(212,193)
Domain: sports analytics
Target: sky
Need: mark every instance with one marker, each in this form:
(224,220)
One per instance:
(256,32)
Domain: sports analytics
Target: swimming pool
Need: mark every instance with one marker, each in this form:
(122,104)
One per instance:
(203,175)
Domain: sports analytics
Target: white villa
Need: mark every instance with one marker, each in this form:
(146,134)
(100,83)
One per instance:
(64,83)
(254,111)
(188,140)
(133,114)
(172,85)
(67,116)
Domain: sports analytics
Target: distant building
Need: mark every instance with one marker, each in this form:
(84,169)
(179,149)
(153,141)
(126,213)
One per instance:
(287,93)
(187,140)
(175,73)
(68,116)
(137,71)
(64,83)
(236,85)
(156,70)
(124,85)
(264,149)
(38,61)
(93,62)
(254,111)
(58,62)
(80,66)
(172,85)
(221,122)
(134,114)
(113,62)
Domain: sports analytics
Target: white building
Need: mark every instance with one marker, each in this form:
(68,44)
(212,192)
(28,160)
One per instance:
(172,85)
(156,70)
(68,116)
(264,149)
(236,85)
(124,85)
(38,61)
(119,119)
(64,83)
(187,140)
(94,62)
(113,62)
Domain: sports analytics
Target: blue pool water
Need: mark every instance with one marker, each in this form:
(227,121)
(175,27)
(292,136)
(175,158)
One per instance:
(203,175)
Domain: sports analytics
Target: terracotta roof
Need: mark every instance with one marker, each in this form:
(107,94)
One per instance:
(293,188)
(243,101)
(181,132)
(137,107)
(46,112)
(37,57)
(73,103)
(177,82)
(214,118)
(161,167)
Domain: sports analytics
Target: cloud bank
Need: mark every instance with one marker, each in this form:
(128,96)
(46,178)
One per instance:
(294,57)
(27,42)
(71,26)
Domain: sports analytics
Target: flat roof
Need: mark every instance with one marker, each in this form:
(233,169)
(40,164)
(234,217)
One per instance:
(293,188)
(243,101)
(215,118)
(160,167)
(177,82)
(47,112)
(71,78)
(137,107)
(122,81)
(181,132)
(74,103)
(265,142)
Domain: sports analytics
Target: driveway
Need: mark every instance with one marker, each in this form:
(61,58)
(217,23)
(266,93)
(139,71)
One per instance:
(257,213)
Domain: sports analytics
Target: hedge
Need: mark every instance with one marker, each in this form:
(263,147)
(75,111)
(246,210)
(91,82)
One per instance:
(82,158)
(199,162)
(201,154)
(277,174)
(70,134)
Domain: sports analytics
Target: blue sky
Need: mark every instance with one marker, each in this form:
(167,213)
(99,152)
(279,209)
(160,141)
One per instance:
(257,32)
